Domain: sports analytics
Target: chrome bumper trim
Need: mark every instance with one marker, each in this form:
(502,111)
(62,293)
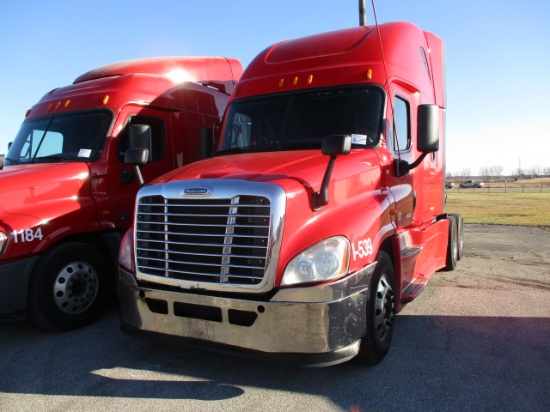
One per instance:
(316,325)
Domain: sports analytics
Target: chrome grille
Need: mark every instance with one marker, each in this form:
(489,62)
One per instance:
(217,241)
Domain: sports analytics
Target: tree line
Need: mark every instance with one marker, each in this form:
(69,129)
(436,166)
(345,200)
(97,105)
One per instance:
(497,171)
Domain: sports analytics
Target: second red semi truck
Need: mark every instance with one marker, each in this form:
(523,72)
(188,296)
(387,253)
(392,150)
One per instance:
(319,217)
(66,192)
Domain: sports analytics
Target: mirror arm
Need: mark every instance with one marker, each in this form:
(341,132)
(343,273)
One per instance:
(403,167)
(418,161)
(139,175)
(320,198)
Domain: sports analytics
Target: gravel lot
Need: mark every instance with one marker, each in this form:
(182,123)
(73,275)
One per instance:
(476,339)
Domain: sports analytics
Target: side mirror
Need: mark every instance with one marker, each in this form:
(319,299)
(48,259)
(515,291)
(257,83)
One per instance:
(336,145)
(137,156)
(141,137)
(140,148)
(428,128)
(427,137)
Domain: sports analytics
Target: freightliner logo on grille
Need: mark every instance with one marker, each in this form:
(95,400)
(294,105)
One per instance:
(197,191)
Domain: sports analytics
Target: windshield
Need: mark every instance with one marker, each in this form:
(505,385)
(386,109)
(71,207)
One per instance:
(301,120)
(60,138)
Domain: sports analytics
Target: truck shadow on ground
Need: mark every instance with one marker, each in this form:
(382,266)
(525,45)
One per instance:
(436,362)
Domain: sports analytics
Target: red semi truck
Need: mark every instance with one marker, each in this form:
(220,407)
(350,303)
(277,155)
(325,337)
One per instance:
(66,193)
(319,217)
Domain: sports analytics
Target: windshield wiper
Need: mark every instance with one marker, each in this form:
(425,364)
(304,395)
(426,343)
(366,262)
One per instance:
(53,157)
(303,145)
(234,150)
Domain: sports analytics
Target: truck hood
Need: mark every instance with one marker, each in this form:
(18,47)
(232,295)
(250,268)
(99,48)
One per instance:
(357,208)
(30,193)
(306,166)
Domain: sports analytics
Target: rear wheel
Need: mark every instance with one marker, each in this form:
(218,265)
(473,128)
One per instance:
(70,286)
(452,244)
(459,234)
(380,313)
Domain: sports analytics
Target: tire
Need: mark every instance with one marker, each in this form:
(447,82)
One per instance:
(380,314)
(459,234)
(70,287)
(452,244)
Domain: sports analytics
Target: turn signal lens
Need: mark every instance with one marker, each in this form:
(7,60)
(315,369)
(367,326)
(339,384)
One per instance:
(3,238)
(125,255)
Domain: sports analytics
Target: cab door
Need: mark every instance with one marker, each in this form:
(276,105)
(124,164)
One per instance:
(400,144)
(418,192)
(117,205)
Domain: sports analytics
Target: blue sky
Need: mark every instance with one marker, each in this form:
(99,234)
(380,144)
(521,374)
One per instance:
(498,56)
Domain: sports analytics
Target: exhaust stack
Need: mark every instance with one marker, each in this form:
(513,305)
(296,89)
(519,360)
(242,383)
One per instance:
(362,13)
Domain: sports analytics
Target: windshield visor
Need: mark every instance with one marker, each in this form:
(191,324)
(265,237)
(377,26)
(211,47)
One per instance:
(301,120)
(61,138)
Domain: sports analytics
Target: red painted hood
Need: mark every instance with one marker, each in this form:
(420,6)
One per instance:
(354,192)
(38,192)
(305,166)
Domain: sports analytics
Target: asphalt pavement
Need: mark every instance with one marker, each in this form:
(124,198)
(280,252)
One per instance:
(476,339)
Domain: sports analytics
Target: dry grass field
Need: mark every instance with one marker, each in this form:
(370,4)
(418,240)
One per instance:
(522,207)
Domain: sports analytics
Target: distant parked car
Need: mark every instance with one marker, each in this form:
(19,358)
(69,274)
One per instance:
(471,183)
(449,185)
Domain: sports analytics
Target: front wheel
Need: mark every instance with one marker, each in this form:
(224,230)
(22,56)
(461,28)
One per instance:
(380,313)
(70,287)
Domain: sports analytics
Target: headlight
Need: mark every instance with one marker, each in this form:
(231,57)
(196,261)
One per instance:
(125,255)
(326,260)
(3,238)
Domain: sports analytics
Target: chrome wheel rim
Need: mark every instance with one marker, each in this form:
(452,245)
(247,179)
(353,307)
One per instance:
(384,308)
(75,287)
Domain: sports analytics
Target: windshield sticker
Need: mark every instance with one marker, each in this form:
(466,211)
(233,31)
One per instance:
(359,139)
(84,152)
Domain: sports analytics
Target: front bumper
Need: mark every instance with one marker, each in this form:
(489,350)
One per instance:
(14,285)
(317,325)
